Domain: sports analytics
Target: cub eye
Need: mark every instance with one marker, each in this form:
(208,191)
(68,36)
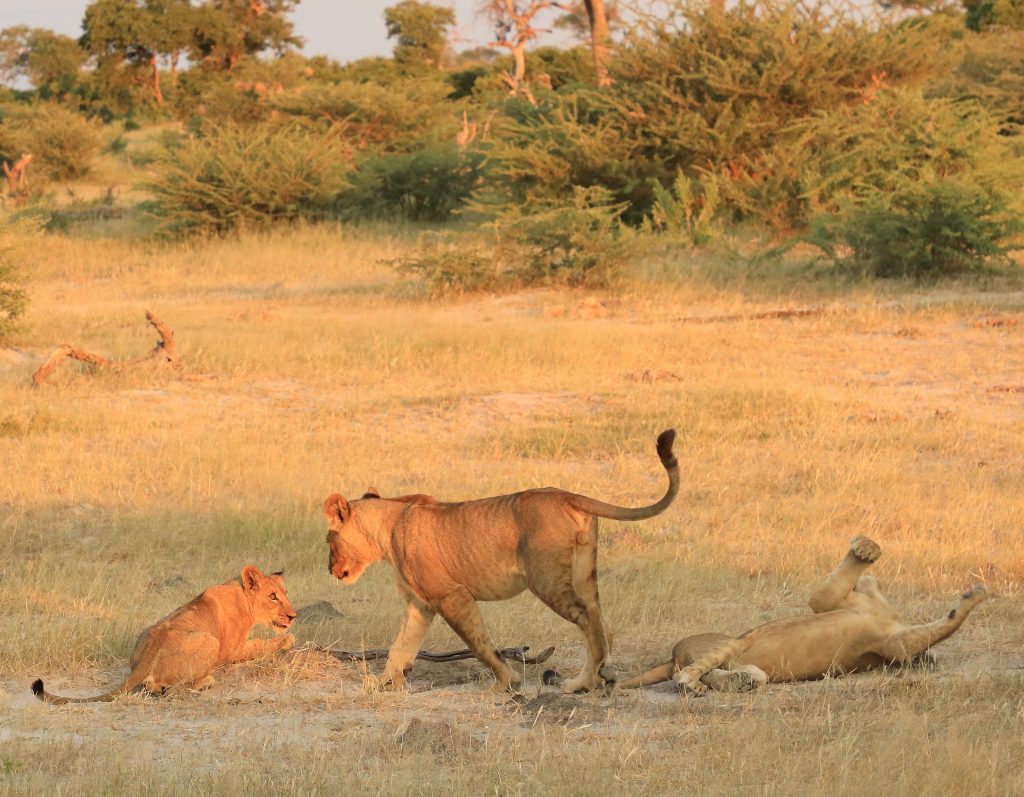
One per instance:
(273,596)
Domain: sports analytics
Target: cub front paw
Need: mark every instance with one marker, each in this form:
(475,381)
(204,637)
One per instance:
(866,550)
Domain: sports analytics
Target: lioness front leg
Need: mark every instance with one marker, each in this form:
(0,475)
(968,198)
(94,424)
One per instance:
(828,595)
(418,618)
(262,648)
(914,641)
(461,612)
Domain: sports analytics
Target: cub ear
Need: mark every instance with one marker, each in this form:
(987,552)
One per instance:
(251,578)
(337,508)
(371,492)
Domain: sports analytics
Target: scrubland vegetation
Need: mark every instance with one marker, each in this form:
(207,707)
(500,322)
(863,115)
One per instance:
(787,230)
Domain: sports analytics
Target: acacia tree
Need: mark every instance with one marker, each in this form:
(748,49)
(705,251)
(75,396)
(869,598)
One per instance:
(226,31)
(38,55)
(514,29)
(420,31)
(173,22)
(123,36)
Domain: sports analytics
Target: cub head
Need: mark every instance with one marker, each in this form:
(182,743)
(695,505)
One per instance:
(268,598)
(349,555)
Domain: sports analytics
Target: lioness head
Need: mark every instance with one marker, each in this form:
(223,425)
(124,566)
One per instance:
(268,598)
(349,556)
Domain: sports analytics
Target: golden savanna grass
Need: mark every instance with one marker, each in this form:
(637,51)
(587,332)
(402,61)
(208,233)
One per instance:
(311,369)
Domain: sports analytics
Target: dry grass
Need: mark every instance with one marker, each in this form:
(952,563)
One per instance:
(312,371)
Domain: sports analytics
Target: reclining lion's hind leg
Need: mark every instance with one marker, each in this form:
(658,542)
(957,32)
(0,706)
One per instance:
(904,646)
(714,656)
(830,593)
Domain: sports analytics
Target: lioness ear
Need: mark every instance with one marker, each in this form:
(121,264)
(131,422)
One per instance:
(251,578)
(371,492)
(337,507)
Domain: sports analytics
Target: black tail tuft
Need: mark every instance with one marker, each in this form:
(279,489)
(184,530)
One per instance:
(665,441)
(37,687)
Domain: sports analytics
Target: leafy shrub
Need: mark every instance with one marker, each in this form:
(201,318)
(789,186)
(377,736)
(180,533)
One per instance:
(688,212)
(246,177)
(943,228)
(897,139)
(715,92)
(579,244)
(428,185)
(386,117)
(63,144)
(13,298)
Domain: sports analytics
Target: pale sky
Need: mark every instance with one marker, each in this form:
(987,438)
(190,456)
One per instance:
(342,29)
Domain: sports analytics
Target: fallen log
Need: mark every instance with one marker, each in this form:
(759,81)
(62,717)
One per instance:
(510,654)
(165,352)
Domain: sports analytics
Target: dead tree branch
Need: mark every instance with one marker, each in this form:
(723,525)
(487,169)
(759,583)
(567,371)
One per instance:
(17,176)
(511,654)
(165,352)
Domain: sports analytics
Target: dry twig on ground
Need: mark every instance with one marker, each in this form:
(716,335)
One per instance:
(165,352)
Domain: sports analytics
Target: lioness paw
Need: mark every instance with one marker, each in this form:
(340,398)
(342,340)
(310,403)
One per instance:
(978,592)
(866,550)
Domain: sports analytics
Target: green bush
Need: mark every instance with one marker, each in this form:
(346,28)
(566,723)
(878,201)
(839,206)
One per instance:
(246,177)
(716,92)
(688,212)
(940,229)
(13,298)
(579,244)
(429,185)
(63,144)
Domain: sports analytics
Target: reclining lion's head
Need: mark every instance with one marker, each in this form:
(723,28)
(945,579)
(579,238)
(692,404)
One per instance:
(349,548)
(268,599)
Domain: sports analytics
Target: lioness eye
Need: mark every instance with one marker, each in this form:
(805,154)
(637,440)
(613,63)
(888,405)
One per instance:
(273,596)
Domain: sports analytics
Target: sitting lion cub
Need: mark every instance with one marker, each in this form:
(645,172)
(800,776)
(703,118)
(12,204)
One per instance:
(184,647)
(448,556)
(853,628)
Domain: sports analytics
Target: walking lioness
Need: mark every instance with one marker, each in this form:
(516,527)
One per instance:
(212,629)
(448,556)
(853,628)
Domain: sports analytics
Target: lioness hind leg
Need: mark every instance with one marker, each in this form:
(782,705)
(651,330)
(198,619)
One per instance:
(184,659)
(570,590)
(830,594)
(912,642)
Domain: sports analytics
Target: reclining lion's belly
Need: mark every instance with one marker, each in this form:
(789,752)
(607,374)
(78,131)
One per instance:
(809,647)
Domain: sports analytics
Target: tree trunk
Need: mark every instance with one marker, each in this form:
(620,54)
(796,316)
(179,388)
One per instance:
(599,40)
(174,68)
(519,55)
(157,94)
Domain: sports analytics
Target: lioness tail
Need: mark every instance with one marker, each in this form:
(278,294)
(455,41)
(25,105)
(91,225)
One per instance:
(671,464)
(57,700)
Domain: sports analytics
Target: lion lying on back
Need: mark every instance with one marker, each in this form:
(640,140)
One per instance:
(183,648)
(853,628)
